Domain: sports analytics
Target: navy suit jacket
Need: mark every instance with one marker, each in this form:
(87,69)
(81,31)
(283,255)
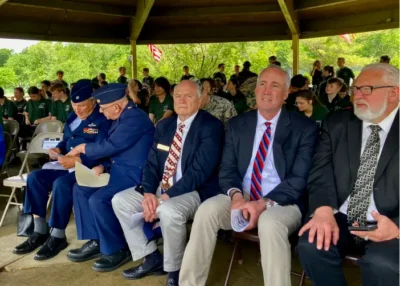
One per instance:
(201,156)
(294,143)
(93,129)
(127,144)
(337,159)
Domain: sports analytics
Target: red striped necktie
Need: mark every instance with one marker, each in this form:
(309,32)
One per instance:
(258,165)
(173,158)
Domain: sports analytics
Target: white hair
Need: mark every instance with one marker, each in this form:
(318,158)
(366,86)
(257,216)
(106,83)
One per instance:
(198,86)
(390,73)
(272,66)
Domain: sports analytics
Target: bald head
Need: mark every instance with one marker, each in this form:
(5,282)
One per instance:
(187,96)
(185,84)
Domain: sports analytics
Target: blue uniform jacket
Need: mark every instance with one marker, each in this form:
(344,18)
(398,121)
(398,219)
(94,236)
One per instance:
(127,144)
(92,129)
(201,155)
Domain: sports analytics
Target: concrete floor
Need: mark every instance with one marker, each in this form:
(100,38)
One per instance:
(59,272)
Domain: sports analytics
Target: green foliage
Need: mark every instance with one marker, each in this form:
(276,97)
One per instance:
(41,61)
(8,79)
(5,54)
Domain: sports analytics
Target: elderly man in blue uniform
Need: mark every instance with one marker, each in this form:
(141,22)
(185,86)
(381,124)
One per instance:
(128,144)
(181,171)
(85,125)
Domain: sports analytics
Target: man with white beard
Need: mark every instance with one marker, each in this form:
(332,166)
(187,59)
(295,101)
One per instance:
(354,186)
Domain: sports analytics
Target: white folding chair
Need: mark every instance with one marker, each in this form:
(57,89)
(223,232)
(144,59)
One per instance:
(44,127)
(19,181)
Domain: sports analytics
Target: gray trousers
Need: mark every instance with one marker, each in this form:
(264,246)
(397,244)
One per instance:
(274,227)
(173,215)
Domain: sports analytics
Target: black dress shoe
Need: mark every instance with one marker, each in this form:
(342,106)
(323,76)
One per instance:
(111,262)
(172,282)
(144,270)
(51,248)
(88,251)
(34,241)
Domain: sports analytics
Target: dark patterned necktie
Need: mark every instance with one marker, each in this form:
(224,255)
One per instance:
(360,197)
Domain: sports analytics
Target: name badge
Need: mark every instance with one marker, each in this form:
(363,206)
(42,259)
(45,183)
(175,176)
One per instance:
(162,147)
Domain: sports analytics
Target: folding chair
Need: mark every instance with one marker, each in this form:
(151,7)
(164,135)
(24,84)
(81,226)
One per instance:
(19,181)
(9,148)
(45,126)
(49,126)
(12,127)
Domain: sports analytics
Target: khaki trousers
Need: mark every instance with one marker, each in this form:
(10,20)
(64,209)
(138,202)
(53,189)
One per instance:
(173,215)
(274,227)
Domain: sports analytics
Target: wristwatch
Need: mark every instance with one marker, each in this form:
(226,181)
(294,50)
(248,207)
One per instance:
(268,203)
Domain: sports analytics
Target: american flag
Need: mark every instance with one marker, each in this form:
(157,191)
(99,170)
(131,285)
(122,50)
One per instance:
(155,52)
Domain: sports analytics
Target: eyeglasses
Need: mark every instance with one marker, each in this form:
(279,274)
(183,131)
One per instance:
(107,107)
(366,89)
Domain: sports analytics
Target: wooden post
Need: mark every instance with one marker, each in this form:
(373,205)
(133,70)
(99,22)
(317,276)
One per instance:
(296,52)
(134,59)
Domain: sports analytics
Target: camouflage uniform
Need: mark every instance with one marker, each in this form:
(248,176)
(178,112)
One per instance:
(221,108)
(247,88)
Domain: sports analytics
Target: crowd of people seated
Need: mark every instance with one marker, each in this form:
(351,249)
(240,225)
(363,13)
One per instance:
(318,160)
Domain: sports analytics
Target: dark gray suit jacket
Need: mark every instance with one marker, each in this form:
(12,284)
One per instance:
(294,143)
(336,163)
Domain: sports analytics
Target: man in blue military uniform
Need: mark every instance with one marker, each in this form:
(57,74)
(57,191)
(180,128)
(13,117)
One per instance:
(85,125)
(128,144)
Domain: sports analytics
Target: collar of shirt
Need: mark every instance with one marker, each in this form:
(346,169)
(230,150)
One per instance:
(274,121)
(187,122)
(385,124)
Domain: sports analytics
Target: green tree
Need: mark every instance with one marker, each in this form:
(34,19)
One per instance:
(8,79)
(5,54)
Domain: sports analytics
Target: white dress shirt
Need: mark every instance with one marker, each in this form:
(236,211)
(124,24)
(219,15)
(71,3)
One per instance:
(385,125)
(188,123)
(270,177)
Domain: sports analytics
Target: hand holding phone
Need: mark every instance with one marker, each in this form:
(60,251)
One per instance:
(369,227)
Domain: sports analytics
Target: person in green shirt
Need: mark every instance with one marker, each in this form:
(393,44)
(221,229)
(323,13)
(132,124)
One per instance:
(35,109)
(344,72)
(308,105)
(61,107)
(163,105)
(8,109)
(236,96)
(20,103)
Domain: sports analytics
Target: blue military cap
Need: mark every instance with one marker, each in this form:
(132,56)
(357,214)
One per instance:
(110,93)
(81,91)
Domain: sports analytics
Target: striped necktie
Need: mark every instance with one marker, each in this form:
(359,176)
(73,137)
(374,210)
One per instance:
(258,165)
(173,158)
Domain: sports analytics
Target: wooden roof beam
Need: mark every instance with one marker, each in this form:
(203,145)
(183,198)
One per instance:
(366,22)
(142,12)
(91,8)
(287,7)
(313,4)
(219,34)
(66,32)
(213,11)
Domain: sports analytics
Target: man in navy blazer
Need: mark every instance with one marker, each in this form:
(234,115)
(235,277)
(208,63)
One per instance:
(265,164)
(181,171)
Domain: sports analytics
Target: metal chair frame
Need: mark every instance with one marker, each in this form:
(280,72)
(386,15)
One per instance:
(18,181)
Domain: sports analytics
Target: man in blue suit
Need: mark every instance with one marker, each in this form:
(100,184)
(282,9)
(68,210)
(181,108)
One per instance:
(265,164)
(85,125)
(127,144)
(180,173)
